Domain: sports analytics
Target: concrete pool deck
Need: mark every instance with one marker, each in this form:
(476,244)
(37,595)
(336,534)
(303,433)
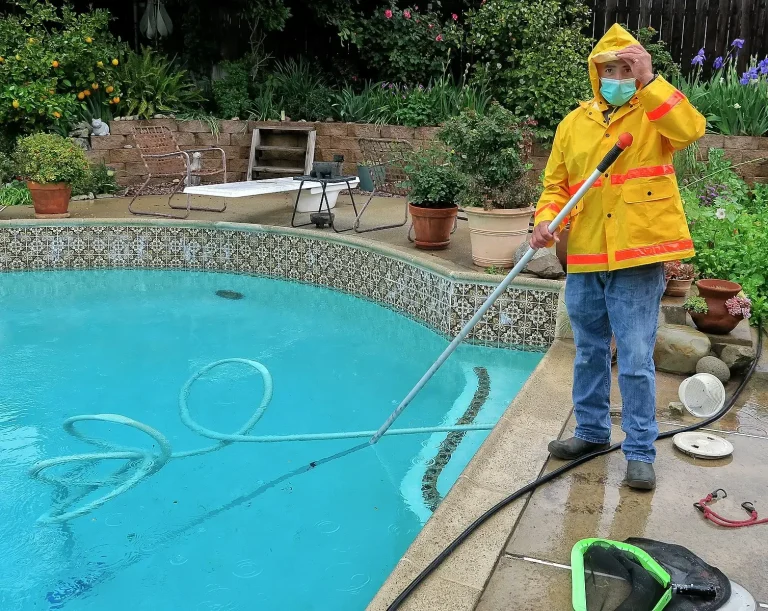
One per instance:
(515,560)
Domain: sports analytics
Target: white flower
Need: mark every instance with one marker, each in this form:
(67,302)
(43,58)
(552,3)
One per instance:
(720,214)
(722,79)
(737,106)
(498,66)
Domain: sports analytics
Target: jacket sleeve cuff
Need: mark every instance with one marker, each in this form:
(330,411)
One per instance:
(659,97)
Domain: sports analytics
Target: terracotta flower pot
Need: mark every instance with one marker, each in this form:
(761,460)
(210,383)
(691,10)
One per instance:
(50,200)
(718,319)
(496,234)
(678,288)
(432,226)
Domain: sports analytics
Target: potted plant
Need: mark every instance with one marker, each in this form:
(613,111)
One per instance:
(434,185)
(50,164)
(492,151)
(719,307)
(679,277)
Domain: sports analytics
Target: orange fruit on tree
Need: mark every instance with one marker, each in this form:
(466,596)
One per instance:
(100,64)
(94,86)
(51,91)
(115,62)
(55,64)
(2,59)
(18,58)
(57,114)
(87,92)
(88,39)
(110,89)
(15,104)
(116,100)
(81,96)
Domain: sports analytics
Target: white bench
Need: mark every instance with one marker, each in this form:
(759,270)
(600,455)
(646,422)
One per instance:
(308,200)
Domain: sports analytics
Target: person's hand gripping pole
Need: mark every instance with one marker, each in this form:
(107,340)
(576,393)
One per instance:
(624,141)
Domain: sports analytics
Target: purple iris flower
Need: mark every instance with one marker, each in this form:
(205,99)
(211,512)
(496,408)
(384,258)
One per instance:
(738,43)
(699,59)
(745,79)
(763,66)
(718,63)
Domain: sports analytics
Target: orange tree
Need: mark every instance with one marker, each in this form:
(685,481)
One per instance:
(51,61)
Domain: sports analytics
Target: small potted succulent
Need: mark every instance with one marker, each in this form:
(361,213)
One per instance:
(434,185)
(720,306)
(492,150)
(679,277)
(50,164)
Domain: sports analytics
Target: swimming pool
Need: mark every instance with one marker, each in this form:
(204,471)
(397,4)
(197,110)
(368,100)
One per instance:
(251,525)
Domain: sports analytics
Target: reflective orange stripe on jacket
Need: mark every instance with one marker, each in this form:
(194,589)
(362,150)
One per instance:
(632,253)
(671,102)
(620,179)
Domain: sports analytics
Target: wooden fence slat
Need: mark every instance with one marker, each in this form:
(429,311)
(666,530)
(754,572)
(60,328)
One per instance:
(711,33)
(667,21)
(761,18)
(610,12)
(721,34)
(676,42)
(599,9)
(699,26)
(744,30)
(689,29)
(656,10)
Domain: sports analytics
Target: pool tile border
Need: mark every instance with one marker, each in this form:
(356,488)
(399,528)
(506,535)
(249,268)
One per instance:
(525,317)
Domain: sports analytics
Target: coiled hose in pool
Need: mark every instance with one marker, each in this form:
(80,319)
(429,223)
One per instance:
(151,461)
(564,469)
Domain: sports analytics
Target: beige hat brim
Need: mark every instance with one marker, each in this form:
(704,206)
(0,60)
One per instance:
(606,56)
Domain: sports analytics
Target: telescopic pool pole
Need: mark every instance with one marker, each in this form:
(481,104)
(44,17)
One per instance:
(624,141)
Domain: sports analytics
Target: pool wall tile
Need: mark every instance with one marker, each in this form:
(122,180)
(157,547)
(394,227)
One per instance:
(523,318)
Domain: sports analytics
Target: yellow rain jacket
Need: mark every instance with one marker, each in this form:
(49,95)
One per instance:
(633,214)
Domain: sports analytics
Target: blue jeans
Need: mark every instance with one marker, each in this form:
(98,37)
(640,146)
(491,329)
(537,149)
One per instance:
(627,302)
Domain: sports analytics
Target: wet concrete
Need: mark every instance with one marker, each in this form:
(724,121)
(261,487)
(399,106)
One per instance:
(592,501)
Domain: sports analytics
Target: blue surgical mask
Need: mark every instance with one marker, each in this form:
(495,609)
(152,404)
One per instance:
(618,92)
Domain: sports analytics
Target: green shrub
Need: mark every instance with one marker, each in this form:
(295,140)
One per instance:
(433,180)
(492,151)
(6,168)
(696,304)
(729,227)
(733,104)
(99,180)
(153,84)
(50,158)
(52,60)
(404,44)
(15,193)
(301,92)
(231,92)
(533,55)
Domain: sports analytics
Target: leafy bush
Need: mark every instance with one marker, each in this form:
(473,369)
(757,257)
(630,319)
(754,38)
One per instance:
(301,92)
(231,92)
(433,180)
(533,55)
(15,193)
(153,84)
(406,45)
(50,158)
(733,104)
(51,60)
(99,180)
(492,151)
(729,228)
(6,168)
(696,304)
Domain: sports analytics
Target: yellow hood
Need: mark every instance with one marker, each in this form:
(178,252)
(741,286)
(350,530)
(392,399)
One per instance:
(615,39)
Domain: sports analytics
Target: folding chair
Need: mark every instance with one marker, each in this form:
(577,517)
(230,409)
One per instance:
(386,160)
(163,158)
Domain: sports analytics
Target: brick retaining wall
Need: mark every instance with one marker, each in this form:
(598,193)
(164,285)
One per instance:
(342,139)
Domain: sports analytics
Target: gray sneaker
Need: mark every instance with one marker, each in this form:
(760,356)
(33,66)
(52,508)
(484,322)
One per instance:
(573,448)
(640,475)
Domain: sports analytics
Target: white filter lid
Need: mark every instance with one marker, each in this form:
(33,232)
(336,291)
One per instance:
(702,395)
(740,600)
(702,444)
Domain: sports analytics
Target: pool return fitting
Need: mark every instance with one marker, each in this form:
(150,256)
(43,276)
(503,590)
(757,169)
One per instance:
(150,462)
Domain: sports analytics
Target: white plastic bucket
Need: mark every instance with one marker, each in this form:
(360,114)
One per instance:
(702,395)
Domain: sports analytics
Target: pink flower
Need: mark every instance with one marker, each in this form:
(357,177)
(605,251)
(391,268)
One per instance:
(388,14)
(439,38)
(455,17)
(415,8)
(431,26)
(407,14)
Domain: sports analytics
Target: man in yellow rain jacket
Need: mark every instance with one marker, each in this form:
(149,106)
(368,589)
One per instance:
(621,232)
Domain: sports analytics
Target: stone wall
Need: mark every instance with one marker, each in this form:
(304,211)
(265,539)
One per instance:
(234,137)
(118,151)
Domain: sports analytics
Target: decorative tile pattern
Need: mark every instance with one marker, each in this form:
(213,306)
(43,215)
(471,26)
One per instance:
(522,318)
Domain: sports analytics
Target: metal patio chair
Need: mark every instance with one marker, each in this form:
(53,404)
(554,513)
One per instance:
(163,158)
(386,160)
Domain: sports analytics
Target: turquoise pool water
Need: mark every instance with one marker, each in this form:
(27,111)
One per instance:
(251,525)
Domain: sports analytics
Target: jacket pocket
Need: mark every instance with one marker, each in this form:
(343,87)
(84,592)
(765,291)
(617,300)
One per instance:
(653,212)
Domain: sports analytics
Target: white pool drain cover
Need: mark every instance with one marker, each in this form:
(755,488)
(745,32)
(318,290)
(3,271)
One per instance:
(740,600)
(703,395)
(701,444)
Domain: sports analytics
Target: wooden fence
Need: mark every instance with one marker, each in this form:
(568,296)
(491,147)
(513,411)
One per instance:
(689,25)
